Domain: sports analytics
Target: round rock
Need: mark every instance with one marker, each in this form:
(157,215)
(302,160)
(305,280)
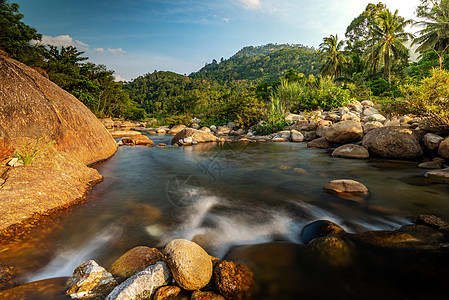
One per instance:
(443,149)
(345,132)
(346,186)
(190,264)
(134,261)
(351,151)
(393,142)
(318,229)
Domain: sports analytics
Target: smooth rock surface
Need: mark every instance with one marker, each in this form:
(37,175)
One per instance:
(344,132)
(190,264)
(175,129)
(351,151)
(346,186)
(134,261)
(432,141)
(143,285)
(137,140)
(320,228)
(443,149)
(439,175)
(297,136)
(321,143)
(89,280)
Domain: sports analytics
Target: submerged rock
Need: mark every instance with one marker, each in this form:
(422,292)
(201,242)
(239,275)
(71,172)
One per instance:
(89,280)
(143,285)
(234,281)
(331,251)
(137,140)
(318,229)
(190,264)
(431,221)
(438,175)
(393,142)
(351,151)
(135,260)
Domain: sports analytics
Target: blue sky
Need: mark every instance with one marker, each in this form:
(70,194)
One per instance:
(134,37)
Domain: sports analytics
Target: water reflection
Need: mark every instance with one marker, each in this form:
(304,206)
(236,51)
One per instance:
(221,195)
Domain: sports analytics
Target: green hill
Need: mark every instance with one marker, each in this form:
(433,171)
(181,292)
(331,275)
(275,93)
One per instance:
(262,63)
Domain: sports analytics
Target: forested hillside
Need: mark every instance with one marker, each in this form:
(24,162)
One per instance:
(262,63)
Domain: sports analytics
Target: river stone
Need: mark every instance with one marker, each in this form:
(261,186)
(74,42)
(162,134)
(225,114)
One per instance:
(321,143)
(370,111)
(368,126)
(367,103)
(431,221)
(135,260)
(432,141)
(318,229)
(290,118)
(200,295)
(234,281)
(223,130)
(175,129)
(331,251)
(137,140)
(392,142)
(190,264)
(344,132)
(309,135)
(297,136)
(431,165)
(376,118)
(321,130)
(385,238)
(198,135)
(124,133)
(167,292)
(278,140)
(205,129)
(351,151)
(143,285)
(346,186)
(89,280)
(443,149)
(285,134)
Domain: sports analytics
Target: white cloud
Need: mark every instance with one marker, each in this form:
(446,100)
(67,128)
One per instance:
(64,41)
(251,4)
(120,78)
(99,50)
(116,51)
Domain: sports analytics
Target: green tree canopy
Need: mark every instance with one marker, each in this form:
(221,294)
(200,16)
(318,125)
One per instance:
(332,56)
(16,36)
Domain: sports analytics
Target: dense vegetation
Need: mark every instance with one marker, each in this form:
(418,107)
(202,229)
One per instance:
(263,83)
(263,63)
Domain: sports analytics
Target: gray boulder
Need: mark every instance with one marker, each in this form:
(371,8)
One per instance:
(143,285)
(392,142)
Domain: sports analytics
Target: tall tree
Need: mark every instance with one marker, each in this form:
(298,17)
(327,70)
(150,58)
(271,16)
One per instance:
(434,35)
(16,36)
(388,40)
(332,56)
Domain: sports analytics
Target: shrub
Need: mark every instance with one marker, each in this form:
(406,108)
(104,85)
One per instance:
(429,98)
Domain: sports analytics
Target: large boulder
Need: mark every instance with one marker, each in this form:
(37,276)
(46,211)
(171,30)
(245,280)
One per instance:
(351,151)
(34,107)
(443,149)
(135,260)
(197,135)
(345,132)
(190,264)
(321,143)
(143,285)
(175,129)
(393,142)
(234,281)
(89,280)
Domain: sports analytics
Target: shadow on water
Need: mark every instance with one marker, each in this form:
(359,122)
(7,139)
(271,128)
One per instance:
(221,196)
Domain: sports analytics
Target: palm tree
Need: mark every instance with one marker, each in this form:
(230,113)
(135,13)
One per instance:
(435,33)
(388,37)
(332,56)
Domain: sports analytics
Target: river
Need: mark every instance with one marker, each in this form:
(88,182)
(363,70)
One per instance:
(221,195)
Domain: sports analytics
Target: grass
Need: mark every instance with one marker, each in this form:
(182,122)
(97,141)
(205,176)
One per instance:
(28,152)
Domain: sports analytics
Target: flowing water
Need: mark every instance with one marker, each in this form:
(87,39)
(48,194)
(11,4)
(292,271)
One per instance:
(221,195)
